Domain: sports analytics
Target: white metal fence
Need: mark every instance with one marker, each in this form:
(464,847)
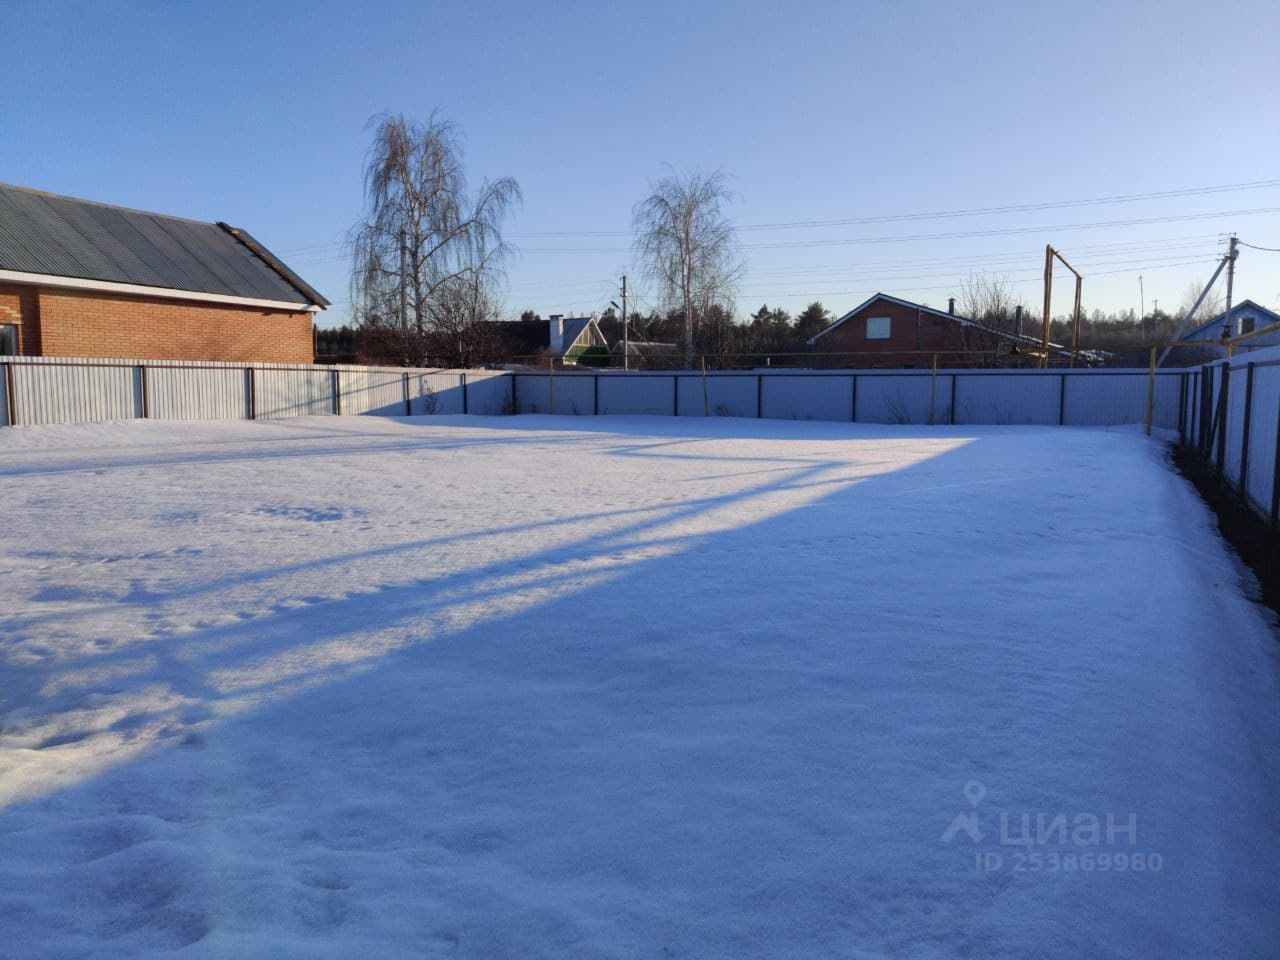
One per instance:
(38,390)
(1071,397)
(1230,413)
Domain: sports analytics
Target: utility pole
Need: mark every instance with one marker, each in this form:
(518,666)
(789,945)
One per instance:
(1231,274)
(626,340)
(1048,297)
(1142,302)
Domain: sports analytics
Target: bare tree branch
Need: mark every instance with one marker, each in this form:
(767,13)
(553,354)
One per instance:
(427,254)
(688,247)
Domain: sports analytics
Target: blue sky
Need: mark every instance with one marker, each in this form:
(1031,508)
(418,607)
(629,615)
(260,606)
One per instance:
(256,114)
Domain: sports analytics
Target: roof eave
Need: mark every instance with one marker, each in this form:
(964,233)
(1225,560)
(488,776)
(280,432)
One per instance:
(276,264)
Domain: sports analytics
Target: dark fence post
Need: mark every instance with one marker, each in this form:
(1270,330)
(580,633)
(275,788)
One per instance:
(408,404)
(337,392)
(595,395)
(675,395)
(1202,414)
(853,399)
(515,408)
(1182,408)
(760,395)
(1224,397)
(11,402)
(252,376)
(1244,438)
(1062,399)
(463,378)
(951,412)
(142,382)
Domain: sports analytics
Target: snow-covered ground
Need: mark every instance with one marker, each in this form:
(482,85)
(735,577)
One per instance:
(534,686)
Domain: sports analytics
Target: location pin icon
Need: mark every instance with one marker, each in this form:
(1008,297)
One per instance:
(974,792)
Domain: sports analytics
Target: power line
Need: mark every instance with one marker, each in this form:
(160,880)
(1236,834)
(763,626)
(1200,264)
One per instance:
(893,218)
(1254,246)
(954,235)
(944,214)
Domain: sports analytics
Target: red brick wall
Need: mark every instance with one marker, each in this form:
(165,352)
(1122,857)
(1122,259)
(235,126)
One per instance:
(87,324)
(914,335)
(20,306)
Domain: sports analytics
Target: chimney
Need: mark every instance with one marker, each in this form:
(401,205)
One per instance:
(555,342)
(951,306)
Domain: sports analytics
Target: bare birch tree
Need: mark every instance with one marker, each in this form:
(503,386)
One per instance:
(427,252)
(989,299)
(688,247)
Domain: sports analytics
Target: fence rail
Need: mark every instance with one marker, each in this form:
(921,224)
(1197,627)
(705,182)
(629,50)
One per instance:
(39,390)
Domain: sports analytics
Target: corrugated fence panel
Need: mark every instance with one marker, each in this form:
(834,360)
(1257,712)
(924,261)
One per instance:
(60,393)
(902,399)
(786,397)
(293,392)
(637,394)
(371,392)
(1234,426)
(489,393)
(1105,400)
(1262,436)
(530,392)
(206,393)
(573,395)
(995,399)
(726,395)
(435,394)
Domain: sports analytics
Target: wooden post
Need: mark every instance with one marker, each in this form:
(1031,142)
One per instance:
(1151,390)
(1075,323)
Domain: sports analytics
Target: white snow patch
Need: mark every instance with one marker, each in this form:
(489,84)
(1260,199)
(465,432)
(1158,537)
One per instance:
(536,686)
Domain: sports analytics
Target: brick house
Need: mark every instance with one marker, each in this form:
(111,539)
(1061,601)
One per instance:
(86,279)
(886,331)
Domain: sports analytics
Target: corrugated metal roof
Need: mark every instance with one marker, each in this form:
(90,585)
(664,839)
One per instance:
(65,237)
(1212,329)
